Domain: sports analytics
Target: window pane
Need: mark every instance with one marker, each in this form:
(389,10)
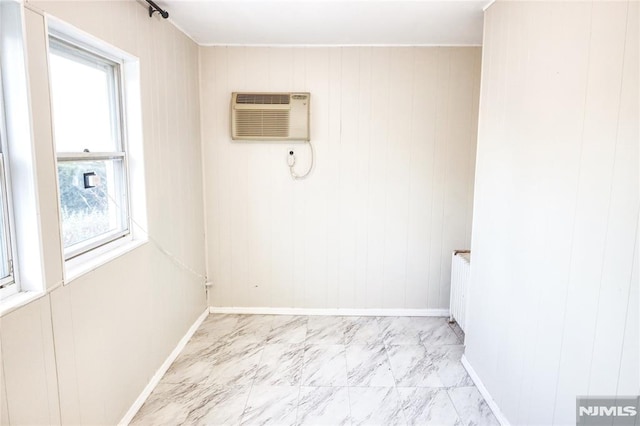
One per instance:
(84,104)
(92,201)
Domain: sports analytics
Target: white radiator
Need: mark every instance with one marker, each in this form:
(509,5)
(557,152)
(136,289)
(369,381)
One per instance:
(460,262)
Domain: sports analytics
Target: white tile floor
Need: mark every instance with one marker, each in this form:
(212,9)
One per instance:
(298,370)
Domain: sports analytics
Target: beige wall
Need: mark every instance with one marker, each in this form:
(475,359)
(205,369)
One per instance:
(389,199)
(84,352)
(554,274)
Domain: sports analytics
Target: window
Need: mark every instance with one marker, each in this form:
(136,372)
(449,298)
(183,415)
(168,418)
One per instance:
(87,101)
(8,284)
(21,253)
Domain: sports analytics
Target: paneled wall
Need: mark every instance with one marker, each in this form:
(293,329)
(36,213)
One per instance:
(554,273)
(83,352)
(390,197)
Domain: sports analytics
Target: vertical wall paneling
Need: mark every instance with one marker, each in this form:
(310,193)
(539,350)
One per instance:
(376,199)
(361,165)
(592,218)
(628,148)
(628,370)
(347,190)
(28,364)
(556,208)
(238,201)
(219,254)
(4,407)
(424,104)
(334,143)
(620,245)
(388,200)
(114,326)
(260,178)
(439,153)
(396,177)
(66,358)
(312,72)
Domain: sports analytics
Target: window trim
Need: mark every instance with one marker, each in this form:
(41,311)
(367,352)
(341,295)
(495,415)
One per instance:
(133,137)
(10,284)
(6,224)
(86,52)
(27,216)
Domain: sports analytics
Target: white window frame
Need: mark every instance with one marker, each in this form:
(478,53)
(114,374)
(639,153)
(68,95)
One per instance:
(10,284)
(132,140)
(19,156)
(79,51)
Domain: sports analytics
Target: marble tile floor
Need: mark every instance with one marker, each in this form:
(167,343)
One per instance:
(318,370)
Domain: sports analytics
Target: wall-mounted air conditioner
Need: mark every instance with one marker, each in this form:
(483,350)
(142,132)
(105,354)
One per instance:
(270,116)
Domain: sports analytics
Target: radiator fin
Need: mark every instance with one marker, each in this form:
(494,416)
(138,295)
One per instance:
(460,266)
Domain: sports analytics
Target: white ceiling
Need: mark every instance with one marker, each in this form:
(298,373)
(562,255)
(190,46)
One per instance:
(329,22)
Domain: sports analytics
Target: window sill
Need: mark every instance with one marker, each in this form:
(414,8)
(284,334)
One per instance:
(18,300)
(81,265)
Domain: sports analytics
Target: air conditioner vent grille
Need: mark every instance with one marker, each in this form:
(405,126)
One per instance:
(262,99)
(262,123)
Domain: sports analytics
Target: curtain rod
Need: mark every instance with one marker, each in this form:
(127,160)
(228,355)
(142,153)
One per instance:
(155,8)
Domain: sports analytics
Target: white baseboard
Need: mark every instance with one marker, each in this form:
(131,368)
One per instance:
(484,392)
(338,312)
(163,369)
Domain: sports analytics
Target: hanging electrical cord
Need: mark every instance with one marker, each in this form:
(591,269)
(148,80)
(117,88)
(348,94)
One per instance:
(167,253)
(291,160)
(159,246)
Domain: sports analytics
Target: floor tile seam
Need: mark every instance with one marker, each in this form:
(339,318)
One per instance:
(395,384)
(437,387)
(349,402)
(246,402)
(305,344)
(302,368)
(298,399)
(454,406)
(368,386)
(438,368)
(445,344)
